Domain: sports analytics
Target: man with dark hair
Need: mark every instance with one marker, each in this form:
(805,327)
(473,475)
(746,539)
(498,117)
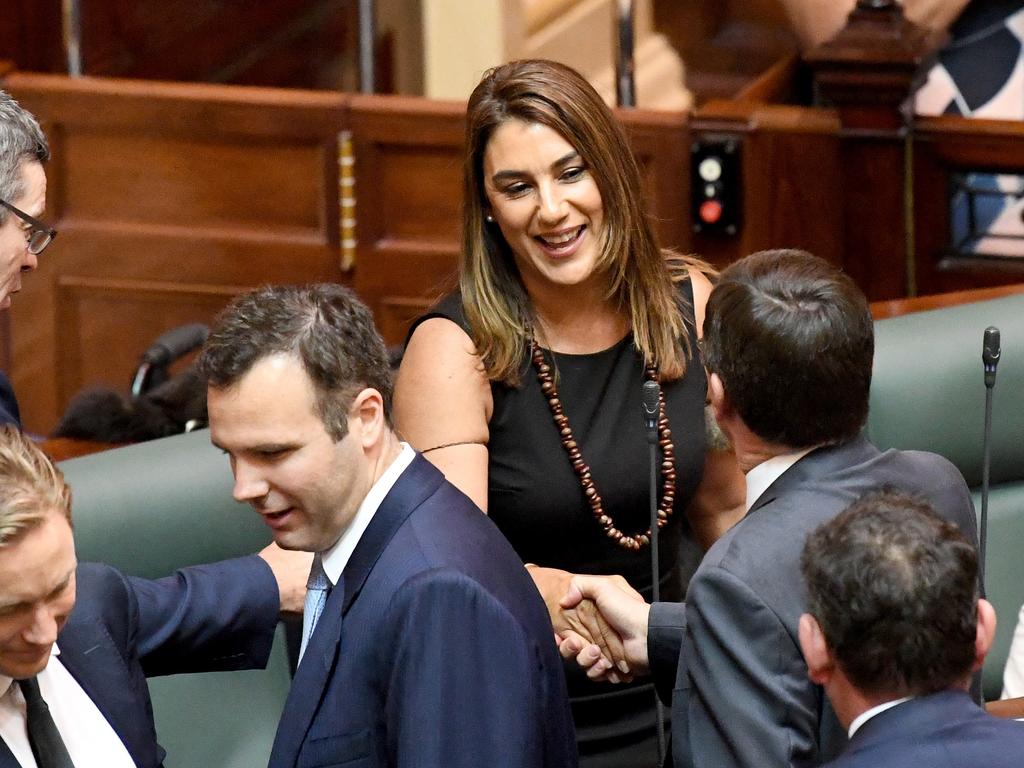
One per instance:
(23,151)
(424,640)
(788,343)
(894,630)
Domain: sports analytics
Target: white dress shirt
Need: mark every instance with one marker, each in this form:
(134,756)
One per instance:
(863,717)
(89,738)
(767,472)
(336,558)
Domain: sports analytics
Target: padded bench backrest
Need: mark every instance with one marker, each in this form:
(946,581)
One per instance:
(157,506)
(928,393)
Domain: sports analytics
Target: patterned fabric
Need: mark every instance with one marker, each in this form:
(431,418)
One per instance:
(980,74)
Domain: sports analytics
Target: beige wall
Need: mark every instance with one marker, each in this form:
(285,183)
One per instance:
(461,39)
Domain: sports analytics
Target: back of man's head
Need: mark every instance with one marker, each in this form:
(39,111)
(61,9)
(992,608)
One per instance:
(894,589)
(31,487)
(21,139)
(792,340)
(324,325)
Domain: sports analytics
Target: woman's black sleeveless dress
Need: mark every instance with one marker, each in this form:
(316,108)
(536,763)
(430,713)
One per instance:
(536,500)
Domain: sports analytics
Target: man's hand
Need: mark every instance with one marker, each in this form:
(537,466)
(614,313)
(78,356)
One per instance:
(623,611)
(581,619)
(291,569)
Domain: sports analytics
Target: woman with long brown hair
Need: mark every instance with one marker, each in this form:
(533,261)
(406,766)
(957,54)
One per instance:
(524,386)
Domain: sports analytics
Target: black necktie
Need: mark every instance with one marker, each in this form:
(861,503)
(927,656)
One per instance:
(47,745)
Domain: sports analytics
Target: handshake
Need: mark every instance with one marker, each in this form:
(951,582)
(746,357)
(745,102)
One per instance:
(600,621)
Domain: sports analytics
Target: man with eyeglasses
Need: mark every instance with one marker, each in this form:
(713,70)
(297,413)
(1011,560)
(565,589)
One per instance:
(23,151)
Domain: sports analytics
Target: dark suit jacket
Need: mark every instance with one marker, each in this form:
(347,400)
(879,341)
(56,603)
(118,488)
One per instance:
(434,649)
(9,412)
(944,730)
(742,696)
(123,629)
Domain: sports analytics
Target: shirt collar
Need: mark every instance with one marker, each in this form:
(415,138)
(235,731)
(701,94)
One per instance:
(767,472)
(336,558)
(863,717)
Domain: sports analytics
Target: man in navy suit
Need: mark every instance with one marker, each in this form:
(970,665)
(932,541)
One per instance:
(23,151)
(894,630)
(85,636)
(425,642)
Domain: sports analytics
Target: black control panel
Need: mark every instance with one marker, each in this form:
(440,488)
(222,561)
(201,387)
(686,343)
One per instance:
(715,184)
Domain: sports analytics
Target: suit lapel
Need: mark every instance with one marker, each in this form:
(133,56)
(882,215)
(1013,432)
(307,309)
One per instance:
(417,483)
(89,655)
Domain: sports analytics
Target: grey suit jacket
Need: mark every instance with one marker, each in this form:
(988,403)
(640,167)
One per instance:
(742,696)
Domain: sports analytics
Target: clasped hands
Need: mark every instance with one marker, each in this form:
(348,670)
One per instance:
(600,621)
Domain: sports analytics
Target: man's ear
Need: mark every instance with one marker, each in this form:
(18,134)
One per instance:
(366,417)
(820,664)
(986,632)
(717,397)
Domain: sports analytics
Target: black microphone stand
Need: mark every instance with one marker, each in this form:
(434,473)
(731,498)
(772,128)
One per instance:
(990,352)
(651,398)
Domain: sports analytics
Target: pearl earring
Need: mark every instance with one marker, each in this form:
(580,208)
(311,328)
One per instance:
(489,218)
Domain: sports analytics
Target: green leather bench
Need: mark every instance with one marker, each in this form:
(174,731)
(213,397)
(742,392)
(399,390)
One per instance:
(928,393)
(154,507)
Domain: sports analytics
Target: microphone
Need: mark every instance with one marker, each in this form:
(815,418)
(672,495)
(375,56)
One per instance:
(168,347)
(650,401)
(177,342)
(990,354)
(650,396)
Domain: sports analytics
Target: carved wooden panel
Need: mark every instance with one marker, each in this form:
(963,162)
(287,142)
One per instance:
(92,313)
(661,143)
(297,43)
(408,202)
(792,195)
(183,194)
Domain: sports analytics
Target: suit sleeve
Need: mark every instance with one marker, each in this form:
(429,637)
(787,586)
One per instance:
(665,626)
(743,697)
(465,681)
(206,618)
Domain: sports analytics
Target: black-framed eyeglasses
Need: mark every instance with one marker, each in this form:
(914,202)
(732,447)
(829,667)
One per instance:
(39,234)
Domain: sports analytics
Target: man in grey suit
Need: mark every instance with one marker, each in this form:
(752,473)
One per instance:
(894,630)
(788,343)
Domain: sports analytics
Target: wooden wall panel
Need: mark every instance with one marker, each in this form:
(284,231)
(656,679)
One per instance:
(292,43)
(792,194)
(92,312)
(169,199)
(661,143)
(408,204)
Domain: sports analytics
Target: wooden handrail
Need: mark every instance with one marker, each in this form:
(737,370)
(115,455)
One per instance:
(881,310)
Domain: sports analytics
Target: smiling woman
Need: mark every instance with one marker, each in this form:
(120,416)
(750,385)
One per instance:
(524,386)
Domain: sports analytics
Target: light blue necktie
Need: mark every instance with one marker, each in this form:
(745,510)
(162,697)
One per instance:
(317,589)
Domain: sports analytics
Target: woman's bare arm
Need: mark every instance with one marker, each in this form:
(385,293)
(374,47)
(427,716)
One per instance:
(443,404)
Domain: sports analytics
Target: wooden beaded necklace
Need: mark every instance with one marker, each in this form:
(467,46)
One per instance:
(582,469)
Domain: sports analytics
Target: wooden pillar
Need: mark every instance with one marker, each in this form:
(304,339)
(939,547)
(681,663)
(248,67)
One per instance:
(867,73)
